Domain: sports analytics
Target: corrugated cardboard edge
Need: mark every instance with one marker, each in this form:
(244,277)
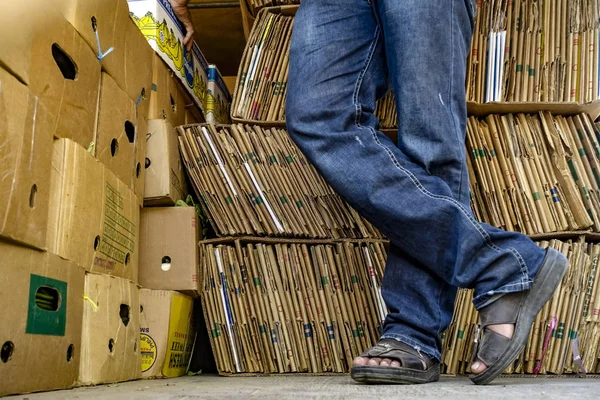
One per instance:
(272,240)
(558,108)
(294,239)
(284,10)
(590,237)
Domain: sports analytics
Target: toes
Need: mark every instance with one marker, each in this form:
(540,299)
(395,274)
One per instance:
(395,364)
(386,362)
(478,367)
(374,361)
(360,361)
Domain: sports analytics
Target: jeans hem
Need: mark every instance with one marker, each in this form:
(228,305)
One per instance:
(482,300)
(430,351)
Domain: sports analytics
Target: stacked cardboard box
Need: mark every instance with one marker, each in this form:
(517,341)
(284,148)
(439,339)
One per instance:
(255,181)
(50,92)
(533,51)
(74,109)
(534,173)
(201,81)
(277,306)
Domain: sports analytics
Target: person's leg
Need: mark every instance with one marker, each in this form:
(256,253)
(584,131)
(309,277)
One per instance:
(336,71)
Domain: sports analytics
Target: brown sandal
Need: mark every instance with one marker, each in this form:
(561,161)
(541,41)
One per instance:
(415,367)
(520,308)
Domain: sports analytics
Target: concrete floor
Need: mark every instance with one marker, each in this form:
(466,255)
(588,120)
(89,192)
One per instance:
(214,387)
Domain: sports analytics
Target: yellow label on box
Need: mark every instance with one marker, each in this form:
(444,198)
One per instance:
(148,351)
(181,337)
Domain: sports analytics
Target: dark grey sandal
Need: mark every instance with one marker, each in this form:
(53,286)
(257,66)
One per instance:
(415,367)
(520,308)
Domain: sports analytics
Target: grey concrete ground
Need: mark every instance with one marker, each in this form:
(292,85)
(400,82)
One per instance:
(213,387)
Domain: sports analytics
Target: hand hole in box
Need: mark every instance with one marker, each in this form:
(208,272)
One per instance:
(127,258)
(173,104)
(67,66)
(138,170)
(141,308)
(130,131)
(47,298)
(166,263)
(70,353)
(96,242)
(124,312)
(32,196)
(111,345)
(114,147)
(7,351)
(147,163)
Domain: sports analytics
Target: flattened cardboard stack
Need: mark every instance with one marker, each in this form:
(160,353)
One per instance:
(262,78)
(534,51)
(257,5)
(291,306)
(534,173)
(255,181)
(567,328)
(386,112)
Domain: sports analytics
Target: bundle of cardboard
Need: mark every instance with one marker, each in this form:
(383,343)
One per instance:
(565,336)
(386,112)
(534,173)
(534,51)
(255,181)
(263,74)
(256,5)
(291,306)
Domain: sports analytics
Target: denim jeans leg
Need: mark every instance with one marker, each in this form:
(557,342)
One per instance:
(416,194)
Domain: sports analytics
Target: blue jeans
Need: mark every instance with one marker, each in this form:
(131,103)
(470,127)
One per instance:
(416,193)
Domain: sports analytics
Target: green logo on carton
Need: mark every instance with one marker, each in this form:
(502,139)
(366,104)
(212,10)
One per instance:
(47,306)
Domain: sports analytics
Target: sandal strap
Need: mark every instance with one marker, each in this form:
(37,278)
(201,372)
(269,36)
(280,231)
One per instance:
(505,310)
(492,347)
(401,352)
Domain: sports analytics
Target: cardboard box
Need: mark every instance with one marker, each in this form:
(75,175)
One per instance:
(169,249)
(218,98)
(65,74)
(164,32)
(120,141)
(94,217)
(110,350)
(165,180)
(167,333)
(139,172)
(12,20)
(26,154)
(40,333)
(116,133)
(166,98)
(129,62)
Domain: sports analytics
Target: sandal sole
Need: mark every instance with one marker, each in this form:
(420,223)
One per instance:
(544,285)
(395,375)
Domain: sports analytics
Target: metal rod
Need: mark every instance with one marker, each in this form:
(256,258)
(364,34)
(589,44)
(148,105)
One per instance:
(215,4)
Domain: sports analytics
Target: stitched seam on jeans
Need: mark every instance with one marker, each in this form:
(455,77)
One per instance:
(475,224)
(413,178)
(361,76)
(451,103)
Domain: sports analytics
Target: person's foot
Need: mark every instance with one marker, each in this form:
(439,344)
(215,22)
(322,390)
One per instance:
(392,361)
(506,323)
(505,330)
